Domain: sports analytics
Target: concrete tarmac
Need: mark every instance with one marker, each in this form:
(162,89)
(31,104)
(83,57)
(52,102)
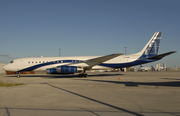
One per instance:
(101,94)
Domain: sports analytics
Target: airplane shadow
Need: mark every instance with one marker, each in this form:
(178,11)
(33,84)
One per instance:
(136,84)
(170,79)
(62,75)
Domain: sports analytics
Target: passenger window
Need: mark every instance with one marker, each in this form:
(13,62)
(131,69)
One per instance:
(12,62)
(39,61)
(28,62)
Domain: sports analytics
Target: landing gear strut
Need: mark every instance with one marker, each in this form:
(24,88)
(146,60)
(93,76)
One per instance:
(18,74)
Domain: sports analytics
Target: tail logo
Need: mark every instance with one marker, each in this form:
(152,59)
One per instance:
(153,47)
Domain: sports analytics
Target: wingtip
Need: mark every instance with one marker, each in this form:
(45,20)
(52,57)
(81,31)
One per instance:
(173,51)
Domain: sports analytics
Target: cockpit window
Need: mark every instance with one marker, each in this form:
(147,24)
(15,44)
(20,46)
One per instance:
(12,62)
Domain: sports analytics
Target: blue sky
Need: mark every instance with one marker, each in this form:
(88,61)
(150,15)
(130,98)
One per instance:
(30,28)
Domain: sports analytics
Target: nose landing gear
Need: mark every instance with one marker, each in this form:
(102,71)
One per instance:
(18,74)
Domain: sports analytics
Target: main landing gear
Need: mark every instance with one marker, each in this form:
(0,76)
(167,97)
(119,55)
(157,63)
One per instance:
(83,75)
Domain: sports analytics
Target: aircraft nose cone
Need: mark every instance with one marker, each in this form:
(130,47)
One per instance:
(4,67)
(10,67)
(7,67)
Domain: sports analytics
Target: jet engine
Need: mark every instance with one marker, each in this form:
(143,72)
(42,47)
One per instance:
(51,71)
(69,69)
(64,70)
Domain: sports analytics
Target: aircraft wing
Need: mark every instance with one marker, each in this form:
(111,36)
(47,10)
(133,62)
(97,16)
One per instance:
(161,55)
(99,60)
(95,61)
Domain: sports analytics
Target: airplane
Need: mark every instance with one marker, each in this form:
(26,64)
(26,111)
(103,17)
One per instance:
(80,64)
(142,68)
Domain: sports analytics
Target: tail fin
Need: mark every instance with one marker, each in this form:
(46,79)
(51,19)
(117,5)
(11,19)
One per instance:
(152,47)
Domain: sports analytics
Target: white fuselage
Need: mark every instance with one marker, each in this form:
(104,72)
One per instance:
(23,63)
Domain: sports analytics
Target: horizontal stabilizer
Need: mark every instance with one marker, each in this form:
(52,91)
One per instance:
(161,55)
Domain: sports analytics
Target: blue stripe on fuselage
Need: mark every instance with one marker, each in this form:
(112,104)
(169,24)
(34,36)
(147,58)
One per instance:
(31,68)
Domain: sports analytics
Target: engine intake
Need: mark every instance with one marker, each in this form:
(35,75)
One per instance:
(51,71)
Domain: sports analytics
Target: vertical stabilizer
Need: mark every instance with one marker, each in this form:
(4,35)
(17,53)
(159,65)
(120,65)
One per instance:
(152,47)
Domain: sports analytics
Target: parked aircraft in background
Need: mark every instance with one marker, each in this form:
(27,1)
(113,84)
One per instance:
(80,64)
(152,68)
(142,68)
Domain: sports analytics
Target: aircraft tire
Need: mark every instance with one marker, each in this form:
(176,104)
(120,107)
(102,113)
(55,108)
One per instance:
(18,76)
(85,75)
(80,75)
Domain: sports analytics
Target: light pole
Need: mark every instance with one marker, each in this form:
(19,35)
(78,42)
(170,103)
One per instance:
(125,51)
(59,51)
